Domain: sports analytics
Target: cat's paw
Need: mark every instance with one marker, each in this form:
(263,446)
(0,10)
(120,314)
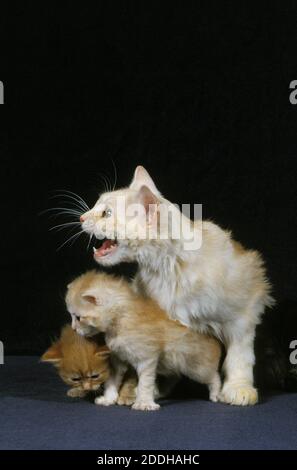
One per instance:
(126,400)
(214,396)
(238,394)
(76,393)
(145,406)
(105,401)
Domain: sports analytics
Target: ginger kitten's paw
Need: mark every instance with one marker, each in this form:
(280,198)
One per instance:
(104,401)
(241,394)
(76,393)
(145,406)
(126,400)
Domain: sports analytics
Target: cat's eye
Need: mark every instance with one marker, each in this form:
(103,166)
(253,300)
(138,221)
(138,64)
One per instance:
(95,376)
(107,213)
(75,379)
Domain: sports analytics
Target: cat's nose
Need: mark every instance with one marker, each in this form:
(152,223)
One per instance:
(82,218)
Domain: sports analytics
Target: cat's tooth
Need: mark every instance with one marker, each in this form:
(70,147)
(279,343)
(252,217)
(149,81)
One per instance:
(94,249)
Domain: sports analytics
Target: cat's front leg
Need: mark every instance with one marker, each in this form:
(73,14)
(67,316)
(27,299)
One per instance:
(146,371)
(238,388)
(112,385)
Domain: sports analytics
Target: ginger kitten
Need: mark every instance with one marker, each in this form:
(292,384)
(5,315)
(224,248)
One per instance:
(81,363)
(139,333)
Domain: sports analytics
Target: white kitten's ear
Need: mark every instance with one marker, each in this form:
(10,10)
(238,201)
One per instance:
(91,297)
(149,201)
(142,178)
(103,352)
(53,354)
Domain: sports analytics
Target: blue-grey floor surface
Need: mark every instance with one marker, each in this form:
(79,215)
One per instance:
(35,413)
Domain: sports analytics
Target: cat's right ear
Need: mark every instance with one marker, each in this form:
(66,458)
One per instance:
(53,354)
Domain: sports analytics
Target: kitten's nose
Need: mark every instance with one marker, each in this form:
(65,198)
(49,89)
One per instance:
(87,386)
(82,218)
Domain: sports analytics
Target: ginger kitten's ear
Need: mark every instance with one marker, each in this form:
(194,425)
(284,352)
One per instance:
(103,352)
(53,354)
(142,178)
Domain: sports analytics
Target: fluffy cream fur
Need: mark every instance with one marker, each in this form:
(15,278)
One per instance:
(220,287)
(140,333)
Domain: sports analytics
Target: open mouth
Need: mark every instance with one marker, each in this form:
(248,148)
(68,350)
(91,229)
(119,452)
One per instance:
(106,248)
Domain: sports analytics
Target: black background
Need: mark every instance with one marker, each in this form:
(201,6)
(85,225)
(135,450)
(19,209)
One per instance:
(197,93)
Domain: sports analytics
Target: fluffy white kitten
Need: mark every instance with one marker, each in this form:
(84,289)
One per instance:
(218,287)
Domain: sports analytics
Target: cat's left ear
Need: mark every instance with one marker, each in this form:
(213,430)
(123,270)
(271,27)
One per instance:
(103,352)
(142,178)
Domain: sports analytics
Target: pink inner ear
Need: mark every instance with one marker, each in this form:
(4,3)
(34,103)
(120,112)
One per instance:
(148,199)
(90,298)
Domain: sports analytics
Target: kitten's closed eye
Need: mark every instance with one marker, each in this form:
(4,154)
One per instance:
(76,379)
(95,376)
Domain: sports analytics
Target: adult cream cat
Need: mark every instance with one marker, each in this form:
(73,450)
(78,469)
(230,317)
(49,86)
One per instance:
(218,287)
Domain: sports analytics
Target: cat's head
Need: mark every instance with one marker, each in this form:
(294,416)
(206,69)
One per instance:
(81,362)
(123,220)
(91,300)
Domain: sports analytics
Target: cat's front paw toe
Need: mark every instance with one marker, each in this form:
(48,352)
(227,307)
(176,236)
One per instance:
(104,401)
(239,394)
(145,406)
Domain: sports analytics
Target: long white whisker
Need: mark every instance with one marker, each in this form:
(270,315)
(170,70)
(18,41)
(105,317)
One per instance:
(91,236)
(76,238)
(104,182)
(115,175)
(74,204)
(67,224)
(78,198)
(79,202)
(69,239)
(65,209)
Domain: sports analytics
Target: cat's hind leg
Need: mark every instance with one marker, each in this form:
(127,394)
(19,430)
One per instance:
(146,371)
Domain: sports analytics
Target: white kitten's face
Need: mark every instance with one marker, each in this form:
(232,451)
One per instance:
(89,300)
(82,314)
(120,220)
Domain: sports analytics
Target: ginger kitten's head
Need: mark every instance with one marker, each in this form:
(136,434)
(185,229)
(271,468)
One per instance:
(91,299)
(81,362)
(123,219)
